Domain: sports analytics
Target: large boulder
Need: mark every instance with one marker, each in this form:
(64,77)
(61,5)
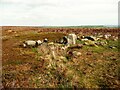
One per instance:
(72,39)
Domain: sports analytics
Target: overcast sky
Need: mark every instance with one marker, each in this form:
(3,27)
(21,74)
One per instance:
(58,12)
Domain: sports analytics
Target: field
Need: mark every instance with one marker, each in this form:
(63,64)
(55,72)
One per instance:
(87,67)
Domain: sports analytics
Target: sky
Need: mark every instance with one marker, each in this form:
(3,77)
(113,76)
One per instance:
(58,12)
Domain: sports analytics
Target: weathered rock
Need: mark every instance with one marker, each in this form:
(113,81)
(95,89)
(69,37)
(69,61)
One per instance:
(51,43)
(102,43)
(17,35)
(72,39)
(112,47)
(75,53)
(64,48)
(9,31)
(107,36)
(90,43)
(100,36)
(75,46)
(64,40)
(115,38)
(90,38)
(45,40)
(32,43)
(84,39)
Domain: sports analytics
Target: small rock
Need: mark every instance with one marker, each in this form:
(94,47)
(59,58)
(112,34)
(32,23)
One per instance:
(90,43)
(112,47)
(9,31)
(51,43)
(61,57)
(90,38)
(76,46)
(75,53)
(78,53)
(16,35)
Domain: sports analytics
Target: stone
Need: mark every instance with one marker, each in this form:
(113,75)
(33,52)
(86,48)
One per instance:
(31,43)
(112,47)
(9,31)
(16,35)
(84,39)
(115,38)
(45,40)
(64,40)
(78,46)
(91,38)
(107,36)
(51,43)
(77,53)
(72,39)
(90,43)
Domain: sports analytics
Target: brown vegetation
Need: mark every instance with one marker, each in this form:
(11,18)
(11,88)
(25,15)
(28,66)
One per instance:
(86,67)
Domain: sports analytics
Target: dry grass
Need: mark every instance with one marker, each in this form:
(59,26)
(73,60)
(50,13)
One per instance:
(52,66)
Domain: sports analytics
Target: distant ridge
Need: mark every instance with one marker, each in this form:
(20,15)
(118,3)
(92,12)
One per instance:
(83,26)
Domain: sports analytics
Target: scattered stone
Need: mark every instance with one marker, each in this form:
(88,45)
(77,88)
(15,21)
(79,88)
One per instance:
(112,47)
(72,39)
(77,53)
(85,38)
(5,37)
(90,38)
(64,40)
(90,43)
(9,31)
(51,43)
(107,36)
(64,48)
(75,46)
(61,57)
(101,43)
(16,35)
(100,36)
(31,43)
(78,37)
(45,40)
(115,38)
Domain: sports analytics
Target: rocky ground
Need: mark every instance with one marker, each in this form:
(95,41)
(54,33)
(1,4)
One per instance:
(53,65)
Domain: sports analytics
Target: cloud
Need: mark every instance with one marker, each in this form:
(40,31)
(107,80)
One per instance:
(58,12)
(30,2)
